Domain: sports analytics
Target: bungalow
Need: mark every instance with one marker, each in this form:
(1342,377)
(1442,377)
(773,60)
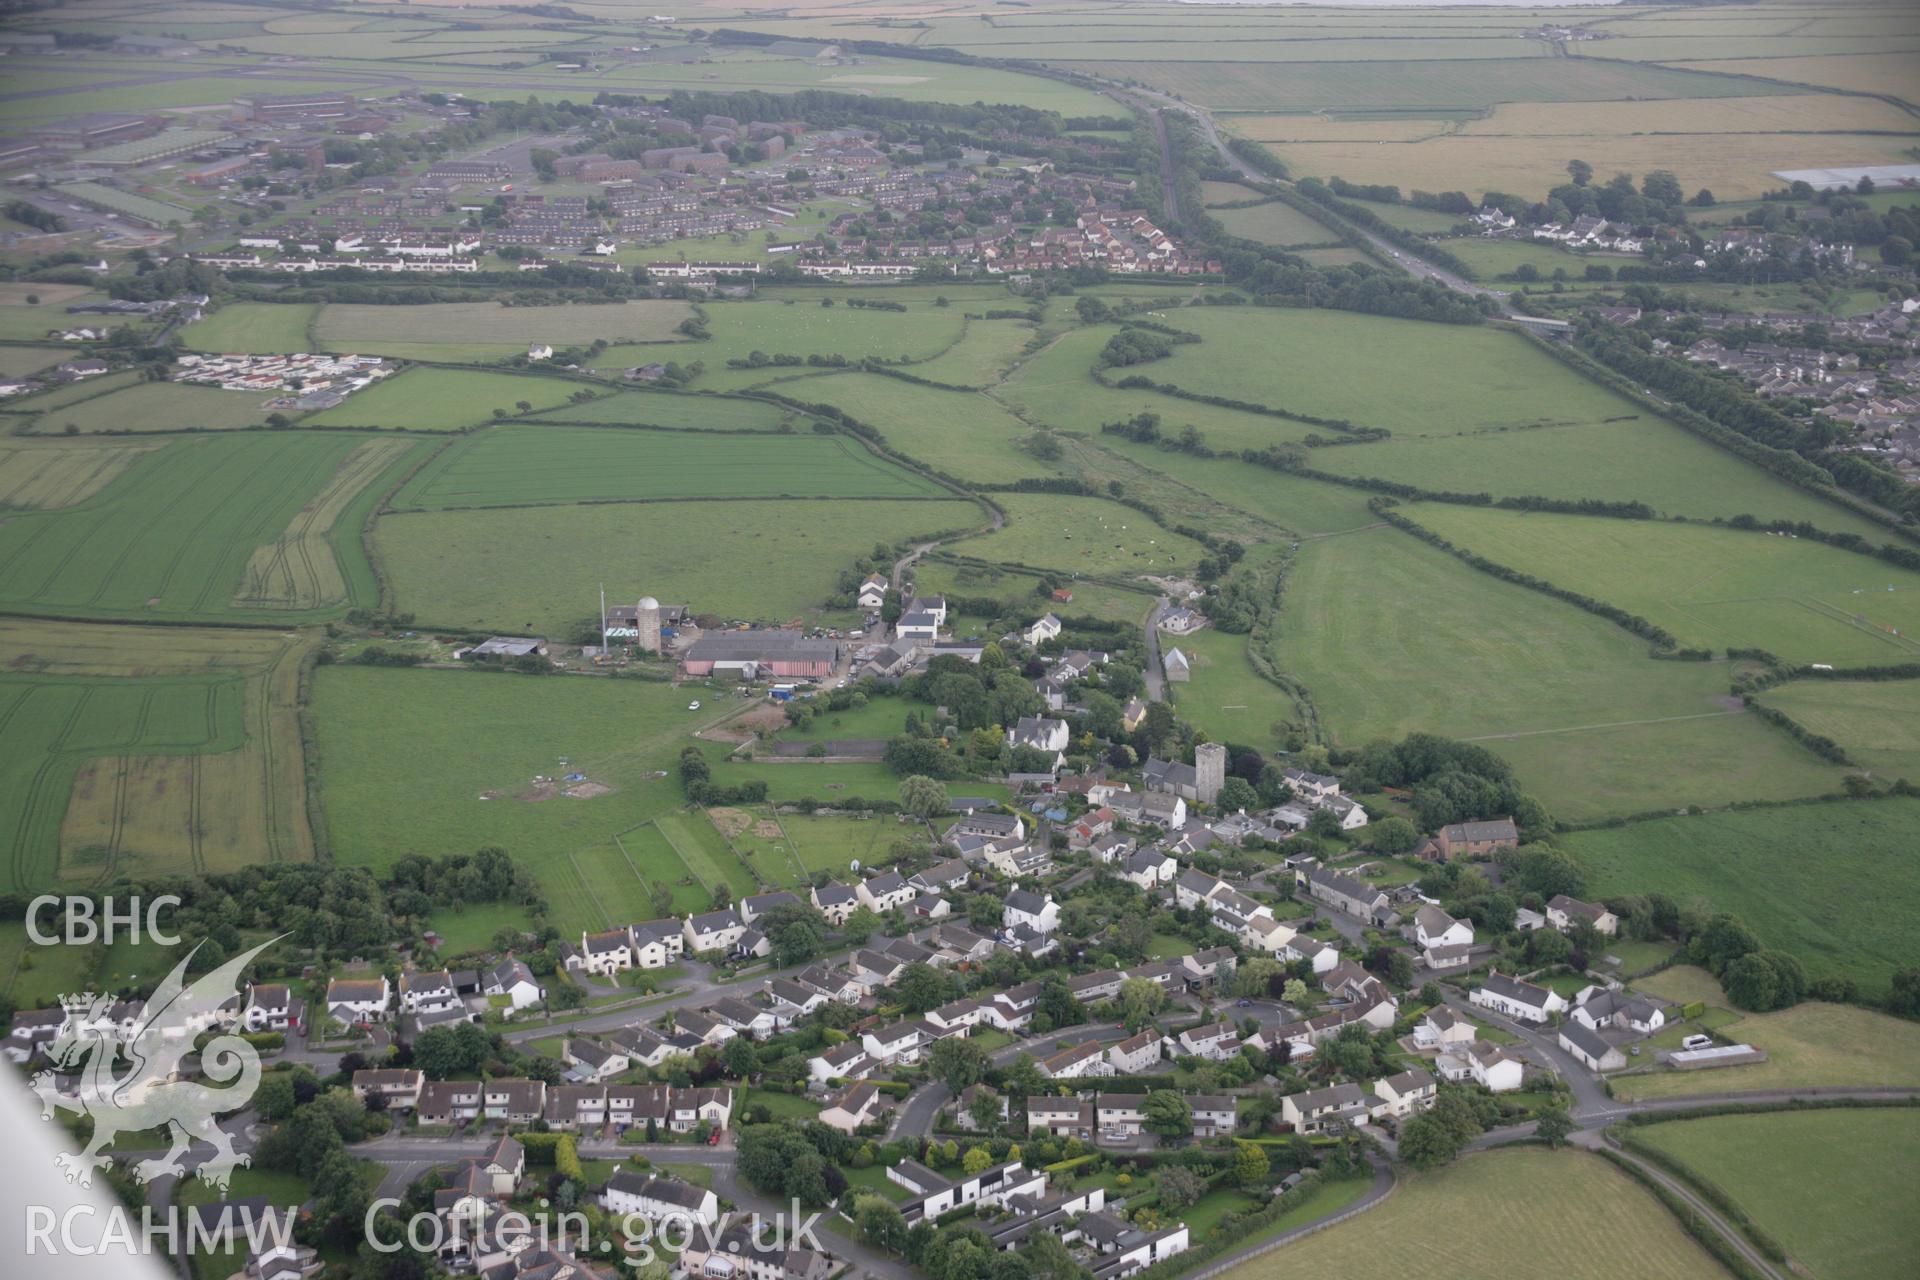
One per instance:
(352,1000)
(883,893)
(714,931)
(658,1200)
(1324,1110)
(1590,1048)
(992,826)
(1085,1059)
(1562,911)
(842,1061)
(1405,1094)
(876,968)
(835,901)
(1521,1001)
(1060,1117)
(1476,839)
(1598,1007)
(1214,1115)
(856,1105)
(1101,984)
(398,1088)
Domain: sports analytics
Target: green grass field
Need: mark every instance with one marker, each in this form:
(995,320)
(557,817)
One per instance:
(1636,460)
(268,327)
(832,844)
(684,412)
(1391,635)
(434,762)
(1275,223)
(173,535)
(538,570)
(1866,1165)
(521,465)
(1808,1046)
(1016,591)
(154,406)
(791,327)
(1878,722)
(444,400)
(1329,365)
(1793,874)
(1711,588)
(490,330)
(1226,697)
(1096,537)
(1534,1212)
(957,432)
(982,356)
(53,725)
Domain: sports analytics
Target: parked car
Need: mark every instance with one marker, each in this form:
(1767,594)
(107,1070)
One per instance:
(694,705)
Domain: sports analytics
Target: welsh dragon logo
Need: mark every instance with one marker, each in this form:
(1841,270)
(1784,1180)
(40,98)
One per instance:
(153,1092)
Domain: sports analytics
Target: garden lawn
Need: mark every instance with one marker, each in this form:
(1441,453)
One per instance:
(833,784)
(1709,588)
(832,844)
(450,756)
(443,399)
(1094,537)
(1808,1046)
(269,328)
(538,571)
(1833,1187)
(1330,364)
(1794,874)
(471,926)
(1877,722)
(528,464)
(1390,635)
(785,1106)
(1533,1212)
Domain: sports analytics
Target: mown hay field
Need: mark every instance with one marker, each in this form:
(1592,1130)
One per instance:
(1893,74)
(1811,1045)
(173,535)
(274,328)
(1590,723)
(444,400)
(493,329)
(44,474)
(1535,1212)
(537,570)
(1865,1163)
(1710,588)
(1878,722)
(1793,874)
(1316,127)
(1092,537)
(523,464)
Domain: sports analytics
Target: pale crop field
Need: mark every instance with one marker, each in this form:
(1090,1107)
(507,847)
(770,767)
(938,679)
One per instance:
(44,474)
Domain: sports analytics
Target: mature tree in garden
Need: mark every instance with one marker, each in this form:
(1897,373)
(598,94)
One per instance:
(923,797)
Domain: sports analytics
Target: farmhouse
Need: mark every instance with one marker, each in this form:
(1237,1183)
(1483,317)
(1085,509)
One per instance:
(1476,839)
(752,655)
